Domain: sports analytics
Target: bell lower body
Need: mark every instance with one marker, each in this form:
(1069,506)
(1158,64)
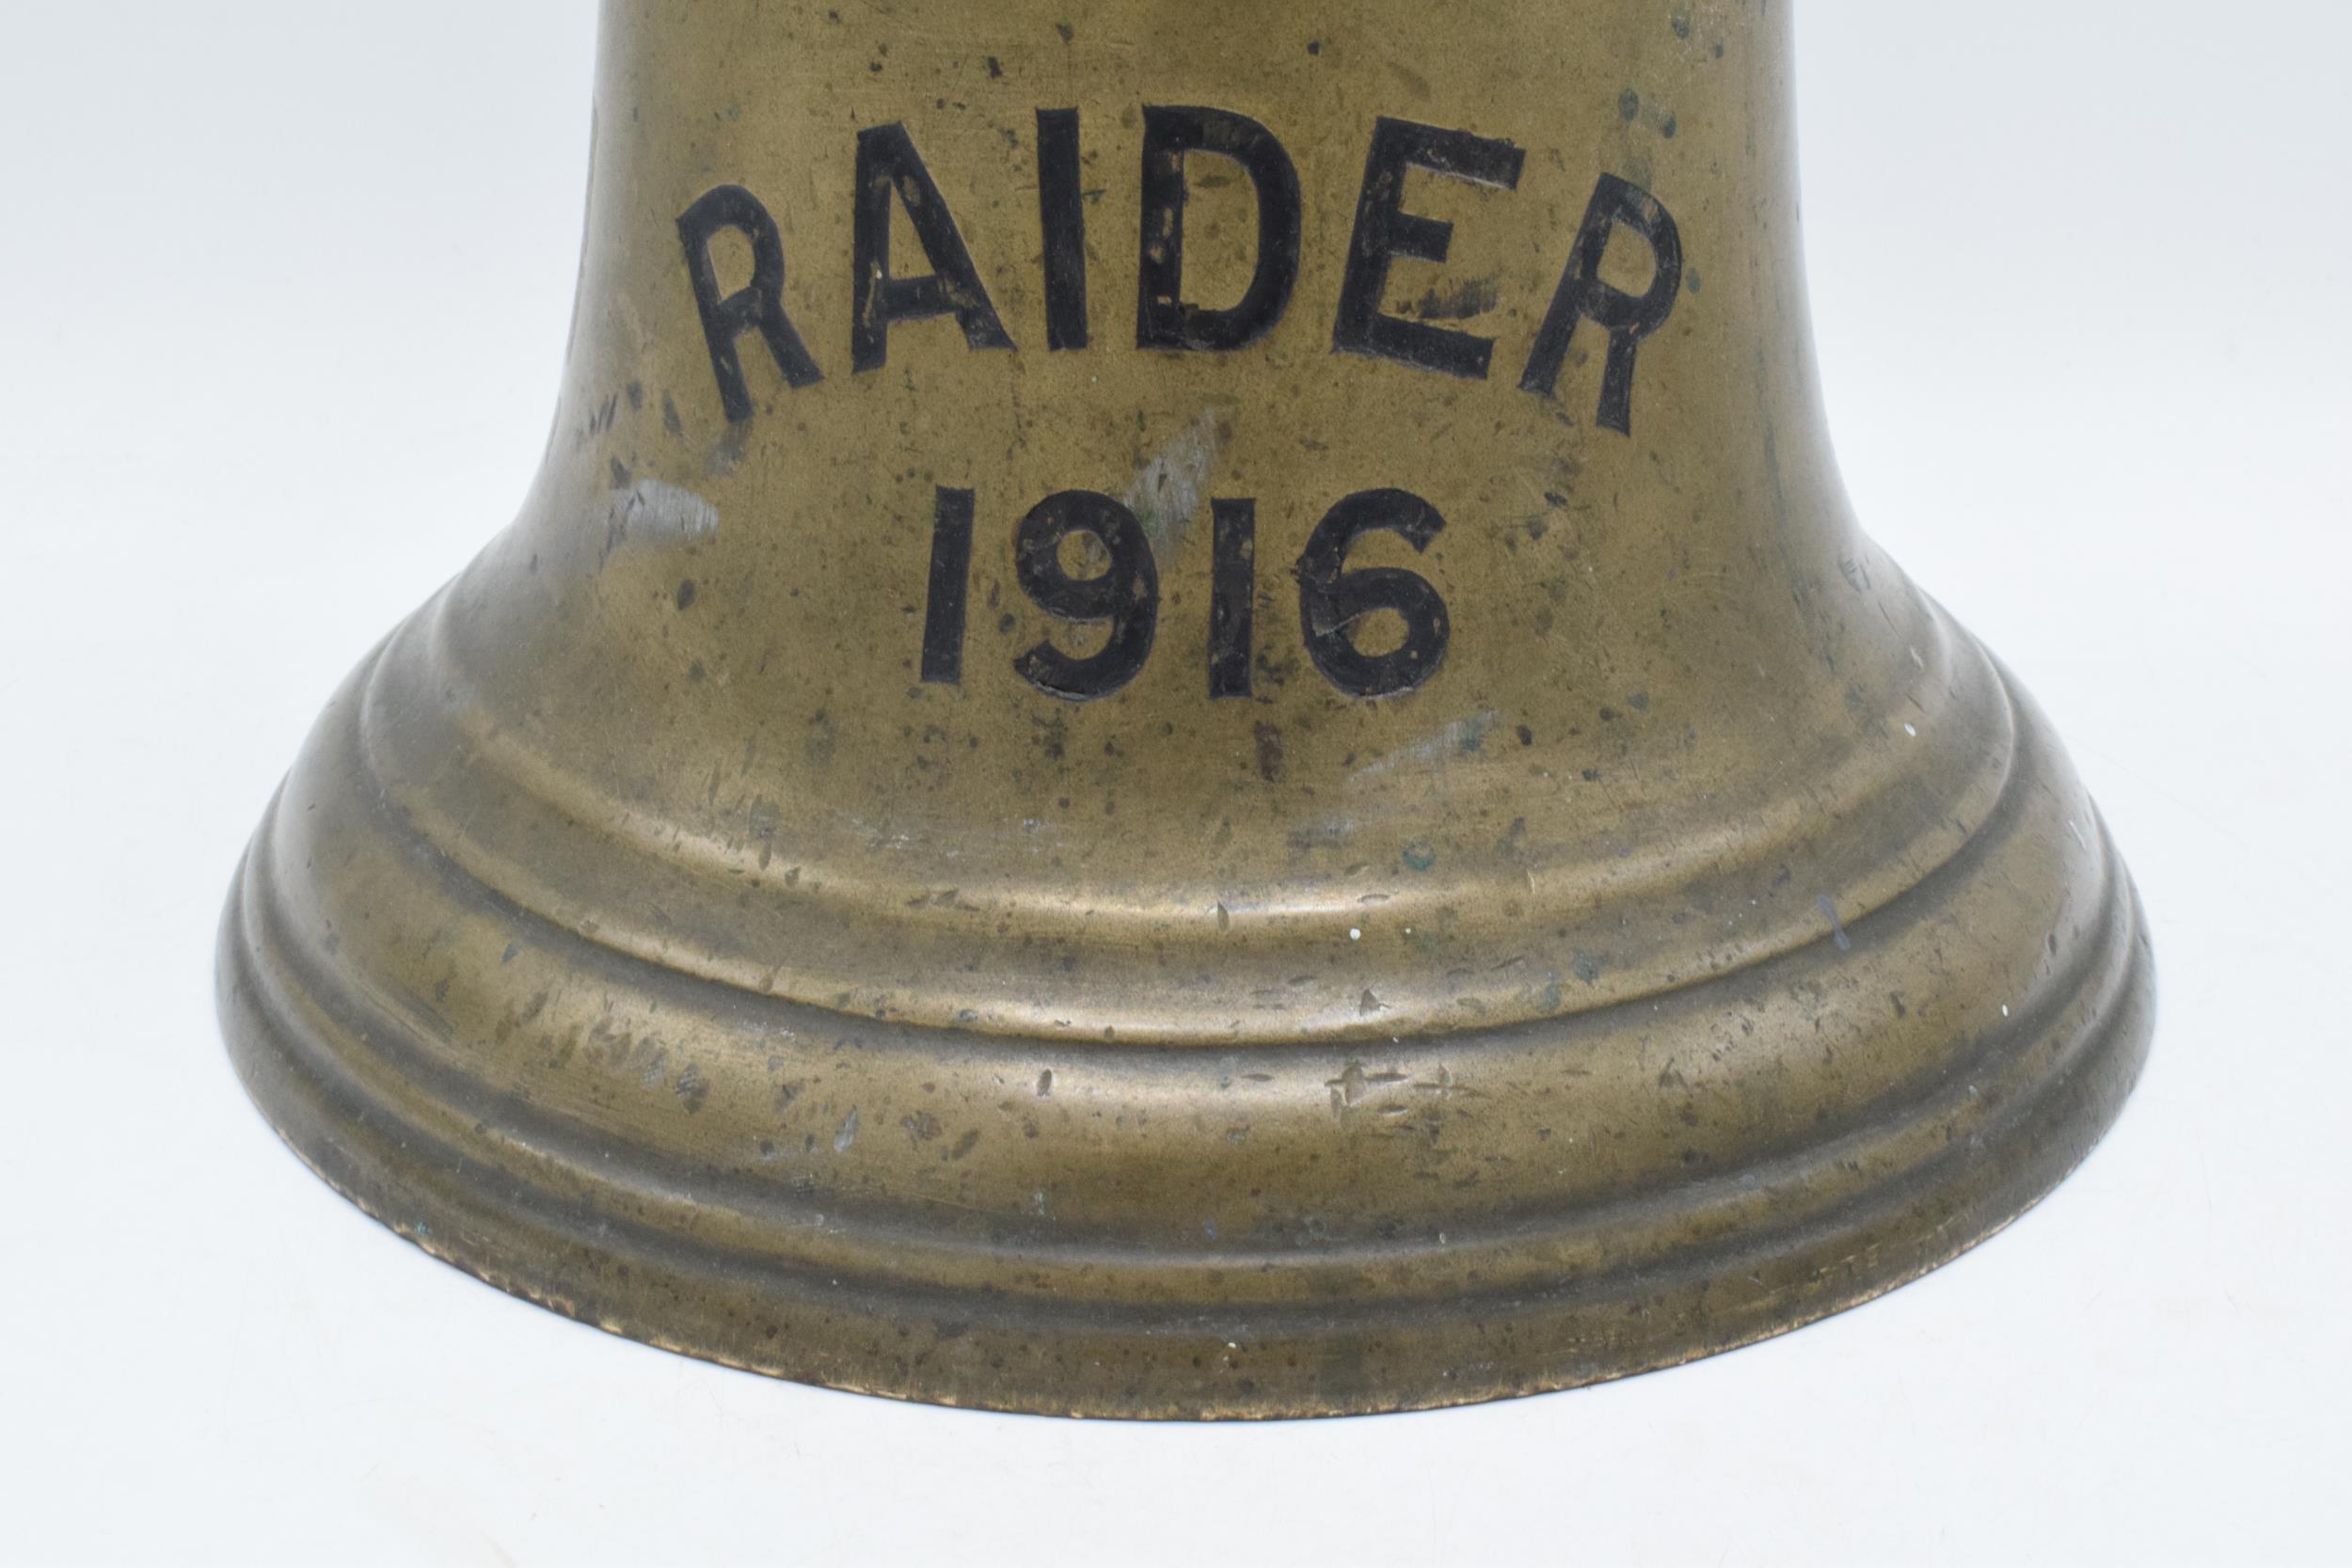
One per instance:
(1267,1226)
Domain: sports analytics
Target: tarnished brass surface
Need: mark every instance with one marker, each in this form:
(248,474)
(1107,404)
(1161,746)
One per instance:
(1187,723)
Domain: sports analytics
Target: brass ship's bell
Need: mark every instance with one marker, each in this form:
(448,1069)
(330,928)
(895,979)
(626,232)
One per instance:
(1187,723)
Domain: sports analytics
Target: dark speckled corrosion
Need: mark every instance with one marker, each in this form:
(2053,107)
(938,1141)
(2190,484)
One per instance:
(1187,723)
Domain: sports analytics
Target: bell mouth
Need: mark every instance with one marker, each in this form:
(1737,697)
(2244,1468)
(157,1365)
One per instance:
(1271,1227)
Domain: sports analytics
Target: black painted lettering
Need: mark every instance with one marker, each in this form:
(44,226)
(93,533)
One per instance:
(951,577)
(1331,599)
(1385,230)
(887,164)
(1062,210)
(758,306)
(1232,596)
(1127,593)
(1164,320)
(1583,296)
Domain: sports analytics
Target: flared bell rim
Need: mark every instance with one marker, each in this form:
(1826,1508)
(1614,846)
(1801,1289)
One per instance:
(661,1244)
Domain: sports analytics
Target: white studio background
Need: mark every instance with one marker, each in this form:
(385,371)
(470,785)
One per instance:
(283,287)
